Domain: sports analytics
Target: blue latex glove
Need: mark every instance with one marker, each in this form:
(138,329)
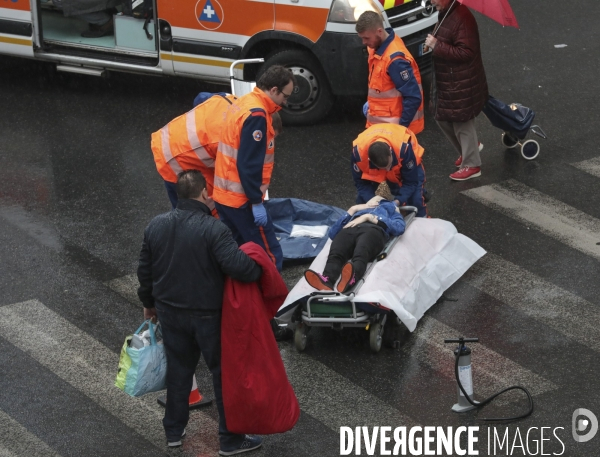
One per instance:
(260,214)
(366,108)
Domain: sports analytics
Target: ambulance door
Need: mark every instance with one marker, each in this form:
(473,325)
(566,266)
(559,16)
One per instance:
(16,28)
(208,35)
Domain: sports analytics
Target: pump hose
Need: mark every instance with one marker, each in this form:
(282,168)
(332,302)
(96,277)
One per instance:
(489,400)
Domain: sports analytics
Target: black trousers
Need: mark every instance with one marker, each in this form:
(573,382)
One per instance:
(187,333)
(361,244)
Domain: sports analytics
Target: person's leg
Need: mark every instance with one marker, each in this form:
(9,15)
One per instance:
(447,129)
(227,215)
(241,222)
(182,358)
(467,137)
(369,242)
(340,252)
(172,193)
(208,336)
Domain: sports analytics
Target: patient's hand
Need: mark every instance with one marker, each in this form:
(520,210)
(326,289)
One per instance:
(354,209)
(359,220)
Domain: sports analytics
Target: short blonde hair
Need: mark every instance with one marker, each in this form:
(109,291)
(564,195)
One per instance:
(369,20)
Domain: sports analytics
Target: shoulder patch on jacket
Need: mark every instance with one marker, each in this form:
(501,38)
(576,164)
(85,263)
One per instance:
(404,75)
(257,135)
(258,112)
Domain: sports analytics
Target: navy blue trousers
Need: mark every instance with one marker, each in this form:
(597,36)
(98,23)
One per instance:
(187,333)
(241,223)
(172,193)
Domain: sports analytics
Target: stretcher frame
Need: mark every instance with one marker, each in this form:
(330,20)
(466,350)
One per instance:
(373,322)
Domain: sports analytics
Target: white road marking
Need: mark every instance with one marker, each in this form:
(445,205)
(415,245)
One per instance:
(16,441)
(91,367)
(543,301)
(552,217)
(591,166)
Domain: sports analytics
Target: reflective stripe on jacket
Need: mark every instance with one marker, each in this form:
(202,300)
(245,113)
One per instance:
(397,137)
(228,188)
(189,142)
(385,101)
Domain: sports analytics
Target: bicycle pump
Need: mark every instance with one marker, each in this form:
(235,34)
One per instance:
(464,378)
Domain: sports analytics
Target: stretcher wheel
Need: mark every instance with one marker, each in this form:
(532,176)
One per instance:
(530,149)
(509,141)
(375,336)
(300,337)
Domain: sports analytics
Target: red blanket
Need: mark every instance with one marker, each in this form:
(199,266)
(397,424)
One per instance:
(257,395)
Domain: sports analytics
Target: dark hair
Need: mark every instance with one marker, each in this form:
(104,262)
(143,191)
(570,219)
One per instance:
(379,154)
(275,76)
(277,124)
(190,184)
(369,20)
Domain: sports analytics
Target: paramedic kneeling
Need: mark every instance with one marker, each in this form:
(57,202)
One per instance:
(185,256)
(391,153)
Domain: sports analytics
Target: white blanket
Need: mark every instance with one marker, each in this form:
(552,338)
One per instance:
(428,258)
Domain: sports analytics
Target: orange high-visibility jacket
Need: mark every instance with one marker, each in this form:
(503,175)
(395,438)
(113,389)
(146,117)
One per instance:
(385,101)
(395,135)
(228,189)
(189,142)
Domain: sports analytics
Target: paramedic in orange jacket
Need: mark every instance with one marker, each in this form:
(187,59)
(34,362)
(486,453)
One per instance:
(245,159)
(189,142)
(391,153)
(395,90)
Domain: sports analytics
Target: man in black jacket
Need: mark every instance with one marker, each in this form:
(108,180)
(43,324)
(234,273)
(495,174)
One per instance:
(185,257)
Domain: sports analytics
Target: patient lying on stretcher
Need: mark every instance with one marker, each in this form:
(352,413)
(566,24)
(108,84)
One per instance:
(357,238)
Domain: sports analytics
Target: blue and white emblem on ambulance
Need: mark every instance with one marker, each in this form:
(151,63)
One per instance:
(210,14)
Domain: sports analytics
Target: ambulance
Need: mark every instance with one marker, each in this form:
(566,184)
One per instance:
(316,39)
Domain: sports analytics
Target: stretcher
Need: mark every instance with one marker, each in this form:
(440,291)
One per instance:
(404,281)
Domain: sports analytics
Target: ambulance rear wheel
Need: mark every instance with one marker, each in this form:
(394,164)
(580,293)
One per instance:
(300,337)
(312,97)
(509,141)
(375,337)
(530,149)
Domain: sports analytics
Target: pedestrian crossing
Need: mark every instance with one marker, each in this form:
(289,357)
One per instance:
(548,215)
(16,441)
(591,166)
(322,391)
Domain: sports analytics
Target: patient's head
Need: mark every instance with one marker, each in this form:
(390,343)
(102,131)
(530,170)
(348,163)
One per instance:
(380,155)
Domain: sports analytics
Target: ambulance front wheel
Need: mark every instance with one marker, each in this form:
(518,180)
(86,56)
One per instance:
(300,337)
(312,97)
(375,336)
(530,149)
(509,141)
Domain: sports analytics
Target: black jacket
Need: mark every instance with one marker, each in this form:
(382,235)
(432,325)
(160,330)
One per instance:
(185,256)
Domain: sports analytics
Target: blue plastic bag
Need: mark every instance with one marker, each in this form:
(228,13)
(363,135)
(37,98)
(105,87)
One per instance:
(142,370)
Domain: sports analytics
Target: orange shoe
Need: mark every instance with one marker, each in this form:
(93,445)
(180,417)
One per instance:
(317,281)
(466,173)
(347,279)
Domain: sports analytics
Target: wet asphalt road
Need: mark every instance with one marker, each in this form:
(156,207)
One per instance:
(78,186)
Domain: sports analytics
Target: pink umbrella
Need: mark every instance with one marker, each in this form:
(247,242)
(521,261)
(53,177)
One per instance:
(498,10)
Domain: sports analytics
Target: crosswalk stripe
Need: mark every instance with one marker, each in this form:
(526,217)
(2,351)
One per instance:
(126,287)
(543,301)
(491,371)
(16,441)
(90,367)
(552,217)
(334,400)
(591,166)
